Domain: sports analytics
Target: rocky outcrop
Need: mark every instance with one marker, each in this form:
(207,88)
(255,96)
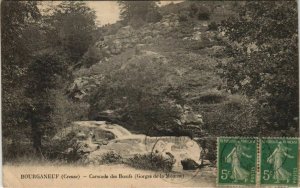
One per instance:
(97,138)
(128,37)
(82,86)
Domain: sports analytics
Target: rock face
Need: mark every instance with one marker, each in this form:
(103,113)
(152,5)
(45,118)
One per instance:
(82,86)
(99,138)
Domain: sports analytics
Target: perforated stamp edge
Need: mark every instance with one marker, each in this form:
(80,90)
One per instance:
(259,159)
(256,164)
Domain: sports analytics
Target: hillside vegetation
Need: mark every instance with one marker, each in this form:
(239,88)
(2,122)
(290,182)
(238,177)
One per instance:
(151,74)
(197,69)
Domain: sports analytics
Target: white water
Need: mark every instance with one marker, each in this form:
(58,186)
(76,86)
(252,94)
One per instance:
(129,144)
(117,130)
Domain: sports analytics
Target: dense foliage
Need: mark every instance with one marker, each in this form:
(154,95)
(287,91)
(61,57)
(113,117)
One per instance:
(137,13)
(38,47)
(71,26)
(152,162)
(17,20)
(263,41)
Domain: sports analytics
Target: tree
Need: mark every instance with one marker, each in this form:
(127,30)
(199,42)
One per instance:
(17,18)
(68,31)
(36,53)
(139,11)
(262,42)
(43,75)
(72,26)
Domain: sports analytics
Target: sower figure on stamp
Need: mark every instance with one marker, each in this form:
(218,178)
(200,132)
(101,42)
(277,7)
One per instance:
(277,158)
(234,157)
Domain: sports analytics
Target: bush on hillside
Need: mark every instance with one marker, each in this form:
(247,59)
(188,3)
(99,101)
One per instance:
(151,162)
(268,71)
(91,57)
(203,13)
(17,151)
(136,22)
(198,11)
(211,154)
(65,111)
(213,26)
(183,16)
(64,149)
(112,29)
(153,16)
(234,117)
(203,16)
(193,10)
(110,157)
(231,116)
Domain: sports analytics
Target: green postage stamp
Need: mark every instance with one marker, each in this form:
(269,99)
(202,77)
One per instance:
(238,164)
(237,161)
(279,161)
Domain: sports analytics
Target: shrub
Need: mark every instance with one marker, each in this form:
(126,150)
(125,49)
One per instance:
(64,111)
(234,117)
(92,56)
(213,26)
(136,22)
(153,16)
(65,149)
(203,13)
(110,157)
(276,92)
(211,145)
(193,9)
(16,151)
(183,16)
(151,162)
(203,16)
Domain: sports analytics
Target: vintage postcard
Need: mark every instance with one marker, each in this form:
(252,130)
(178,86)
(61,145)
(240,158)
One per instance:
(149,94)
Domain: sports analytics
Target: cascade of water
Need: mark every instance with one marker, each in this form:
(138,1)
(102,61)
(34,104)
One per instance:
(117,130)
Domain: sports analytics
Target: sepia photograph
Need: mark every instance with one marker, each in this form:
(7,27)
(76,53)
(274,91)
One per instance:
(149,93)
